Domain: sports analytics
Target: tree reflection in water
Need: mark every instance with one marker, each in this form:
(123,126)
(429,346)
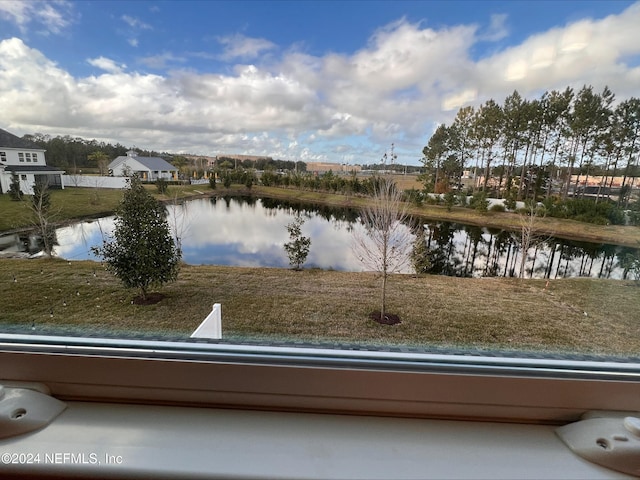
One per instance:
(251,232)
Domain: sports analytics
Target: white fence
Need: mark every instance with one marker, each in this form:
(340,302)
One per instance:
(94,181)
(200,181)
(211,327)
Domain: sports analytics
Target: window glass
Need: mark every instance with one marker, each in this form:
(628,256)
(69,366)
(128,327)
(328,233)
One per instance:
(427,176)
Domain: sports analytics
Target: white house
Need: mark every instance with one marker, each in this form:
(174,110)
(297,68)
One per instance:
(26,160)
(147,168)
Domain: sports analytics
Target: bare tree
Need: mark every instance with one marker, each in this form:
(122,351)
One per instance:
(40,207)
(386,242)
(530,233)
(98,182)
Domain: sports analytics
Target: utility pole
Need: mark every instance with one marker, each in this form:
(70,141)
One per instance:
(392,157)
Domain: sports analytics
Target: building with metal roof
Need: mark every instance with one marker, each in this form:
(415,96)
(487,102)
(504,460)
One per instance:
(147,168)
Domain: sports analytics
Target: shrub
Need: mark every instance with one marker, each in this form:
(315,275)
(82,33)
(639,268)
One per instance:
(461,198)
(634,213)
(14,189)
(510,199)
(449,200)
(479,202)
(497,207)
(269,179)
(162,186)
(226,180)
(414,196)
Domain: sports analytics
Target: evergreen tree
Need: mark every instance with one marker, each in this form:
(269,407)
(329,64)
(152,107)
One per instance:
(298,248)
(14,188)
(142,253)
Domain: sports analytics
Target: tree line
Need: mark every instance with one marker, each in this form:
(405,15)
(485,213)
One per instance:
(75,153)
(533,149)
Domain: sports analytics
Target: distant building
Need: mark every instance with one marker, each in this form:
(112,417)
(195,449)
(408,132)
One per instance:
(147,168)
(26,160)
(324,167)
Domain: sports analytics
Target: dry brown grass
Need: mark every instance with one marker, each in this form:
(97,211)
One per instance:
(265,304)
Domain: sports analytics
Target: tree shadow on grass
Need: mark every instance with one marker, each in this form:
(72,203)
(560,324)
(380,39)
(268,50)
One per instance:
(151,299)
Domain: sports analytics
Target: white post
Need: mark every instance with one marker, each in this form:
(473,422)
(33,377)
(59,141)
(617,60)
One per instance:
(211,327)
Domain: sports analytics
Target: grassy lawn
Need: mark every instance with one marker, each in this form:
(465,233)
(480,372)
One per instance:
(75,203)
(266,304)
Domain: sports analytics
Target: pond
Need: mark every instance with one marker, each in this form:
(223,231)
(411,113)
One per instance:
(251,232)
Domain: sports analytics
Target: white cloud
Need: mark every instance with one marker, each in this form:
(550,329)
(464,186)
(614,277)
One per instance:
(135,27)
(584,52)
(136,23)
(243,48)
(497,28)
(405,80)
(52,16)
(106,64)
(161,61)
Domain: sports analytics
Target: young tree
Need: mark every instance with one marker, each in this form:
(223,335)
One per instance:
(298,248)
(529,231)
(386,243)
(100,159)
(142,253)
(14,188)
(40,207)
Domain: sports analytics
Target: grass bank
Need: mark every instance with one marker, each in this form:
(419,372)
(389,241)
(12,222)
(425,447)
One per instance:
(575,315)
(78,203)
(568,229)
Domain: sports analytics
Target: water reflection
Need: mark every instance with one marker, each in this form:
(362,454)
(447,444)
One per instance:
(251,232)
(469,251)
(236,231)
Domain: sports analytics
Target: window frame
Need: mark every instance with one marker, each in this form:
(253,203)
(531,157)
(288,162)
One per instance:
(282,378)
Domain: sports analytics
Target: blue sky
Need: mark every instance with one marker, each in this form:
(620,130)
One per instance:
(298,80)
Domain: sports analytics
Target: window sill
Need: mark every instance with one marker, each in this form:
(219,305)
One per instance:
(94,440)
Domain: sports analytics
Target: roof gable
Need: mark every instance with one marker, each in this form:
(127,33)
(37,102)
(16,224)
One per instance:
(155,163)
(150,163)
(10,140)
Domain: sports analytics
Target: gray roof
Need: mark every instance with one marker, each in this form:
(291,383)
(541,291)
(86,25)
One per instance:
(10,140)
(32,169)
(152,163)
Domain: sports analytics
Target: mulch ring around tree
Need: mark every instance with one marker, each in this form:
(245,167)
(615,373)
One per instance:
(389,318)
(151,299)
